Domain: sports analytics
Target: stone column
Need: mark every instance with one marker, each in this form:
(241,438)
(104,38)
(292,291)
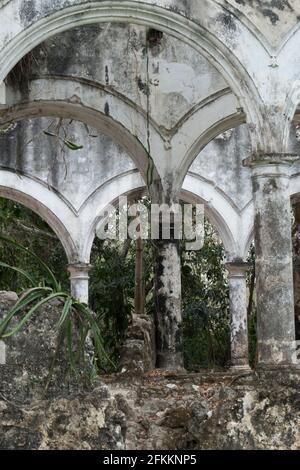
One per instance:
(169,347)
(166,225)
(274,270)
(296,266)
(79,277)
(238,312)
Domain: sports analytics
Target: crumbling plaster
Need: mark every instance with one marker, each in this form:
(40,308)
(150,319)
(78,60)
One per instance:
(170,101)
(189,99)
(208,28)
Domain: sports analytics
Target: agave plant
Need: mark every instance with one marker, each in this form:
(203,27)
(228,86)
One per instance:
(74,315)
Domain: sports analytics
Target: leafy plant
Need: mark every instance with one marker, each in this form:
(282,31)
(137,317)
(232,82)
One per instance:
(205,298)
(205,294)
(28,229)
(74,315)
(252,311)
(112,292)
(68,143)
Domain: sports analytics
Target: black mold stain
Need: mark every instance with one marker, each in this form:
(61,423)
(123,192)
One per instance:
(255,186)
(261,4)
(281,4)
(28,12)
(270,186)
(155,68)
(143,87)
(274,18)
(183,8)
(154,38)
(106,109)
(228,22)
(106,76)
(267,7)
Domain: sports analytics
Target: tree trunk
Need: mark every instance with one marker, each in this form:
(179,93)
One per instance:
(139,295)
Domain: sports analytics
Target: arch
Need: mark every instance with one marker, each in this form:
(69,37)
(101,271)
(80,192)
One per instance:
(201,31)
(218,114)
(288,60)
(79,100)
(107,195)
(223,216)
(45,203)
(232,225)
(127,123)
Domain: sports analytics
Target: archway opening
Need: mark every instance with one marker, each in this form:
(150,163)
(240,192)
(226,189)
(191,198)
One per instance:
(124,270)
(205,301)
(296,261)
(24,228)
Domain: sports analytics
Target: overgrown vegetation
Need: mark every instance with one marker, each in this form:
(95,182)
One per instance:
(206,321)
(76,320)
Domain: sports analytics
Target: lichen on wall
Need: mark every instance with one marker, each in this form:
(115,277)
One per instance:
(174,74)
(274,18)
(75,174)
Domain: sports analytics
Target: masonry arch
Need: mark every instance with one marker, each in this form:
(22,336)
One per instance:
(219,115)
(221,214)
(107,194)
(232,225)
(128,123)
(45,203)
(84,113)
(288,60)
(203,35)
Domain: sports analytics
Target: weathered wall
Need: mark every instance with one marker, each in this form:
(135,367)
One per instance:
(170,72)
(75,175)
(164,84)
(211,66)
(135,410)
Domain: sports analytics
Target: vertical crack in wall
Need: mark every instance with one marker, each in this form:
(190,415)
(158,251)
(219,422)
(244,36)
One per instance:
(150,169)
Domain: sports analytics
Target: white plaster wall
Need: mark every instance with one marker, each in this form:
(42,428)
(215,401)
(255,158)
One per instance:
(220,63)
(75,175)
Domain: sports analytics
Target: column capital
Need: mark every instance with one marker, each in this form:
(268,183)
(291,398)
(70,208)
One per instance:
(265,159)
(79,270)
(238,268)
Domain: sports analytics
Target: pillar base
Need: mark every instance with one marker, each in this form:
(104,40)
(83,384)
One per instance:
(171,362)
(241,368)
(275,367)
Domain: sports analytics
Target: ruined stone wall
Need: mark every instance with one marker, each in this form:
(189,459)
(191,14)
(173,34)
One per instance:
(162,79)
(133,410)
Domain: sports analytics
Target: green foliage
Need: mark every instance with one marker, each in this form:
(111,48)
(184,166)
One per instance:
(74,316)
(206,322)
(206,337)
(206,319)
(252,321)
(68,143)
(28,229)
(112,292)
